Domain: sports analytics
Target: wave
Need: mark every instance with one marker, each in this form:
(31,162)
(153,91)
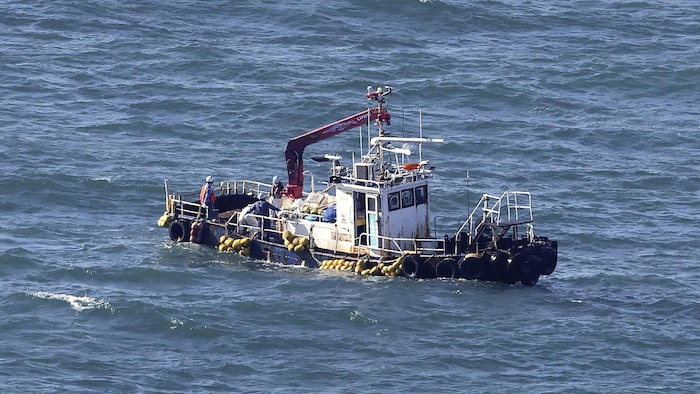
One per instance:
(76,303)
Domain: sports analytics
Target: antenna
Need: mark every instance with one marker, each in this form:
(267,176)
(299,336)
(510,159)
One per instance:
(369,138)
(361,147)
(420,128)
(403,120)
(468,203)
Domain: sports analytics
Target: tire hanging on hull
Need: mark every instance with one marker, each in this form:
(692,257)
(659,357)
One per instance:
(179,231)
(530,270)
(511,275)
(447,268)
(500,265)
(548,254)
(471,266)
(413,266)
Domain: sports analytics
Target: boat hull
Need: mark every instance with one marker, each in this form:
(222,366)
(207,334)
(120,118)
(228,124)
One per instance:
(522,262)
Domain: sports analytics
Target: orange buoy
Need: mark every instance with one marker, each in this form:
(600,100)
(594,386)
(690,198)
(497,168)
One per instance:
(411,166)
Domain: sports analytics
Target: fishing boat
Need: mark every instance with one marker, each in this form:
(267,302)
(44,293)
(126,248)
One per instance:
(371,217)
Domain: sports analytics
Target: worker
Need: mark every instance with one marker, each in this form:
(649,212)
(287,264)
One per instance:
(277,187)
(208,198)
(262,207)
(259,209)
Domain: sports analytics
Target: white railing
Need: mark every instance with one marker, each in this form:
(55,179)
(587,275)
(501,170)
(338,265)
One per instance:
(418,245)
(252,188)
(511,207)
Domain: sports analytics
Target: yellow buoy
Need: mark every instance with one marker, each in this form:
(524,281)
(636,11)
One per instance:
(164,220)
(359,266)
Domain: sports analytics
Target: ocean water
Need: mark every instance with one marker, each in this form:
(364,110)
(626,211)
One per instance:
(590,105)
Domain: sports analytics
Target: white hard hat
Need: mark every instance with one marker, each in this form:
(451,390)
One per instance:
(210,179)
(275,179)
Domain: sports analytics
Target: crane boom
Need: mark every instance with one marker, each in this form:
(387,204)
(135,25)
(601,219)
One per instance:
(295,147)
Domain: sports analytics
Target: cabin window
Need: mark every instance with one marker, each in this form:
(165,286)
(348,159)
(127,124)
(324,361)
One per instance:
(394,201)
(359,202)
(421,195)
(372,204)
(406,198)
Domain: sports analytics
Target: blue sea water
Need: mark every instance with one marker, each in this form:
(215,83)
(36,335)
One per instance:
(590,105)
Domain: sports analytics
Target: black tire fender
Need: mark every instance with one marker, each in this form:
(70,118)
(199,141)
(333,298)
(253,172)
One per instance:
(413,266)
(179,231)
(446,268)
(530,270)
(549,260)
(471,266)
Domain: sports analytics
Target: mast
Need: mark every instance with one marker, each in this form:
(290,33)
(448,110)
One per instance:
(295,147)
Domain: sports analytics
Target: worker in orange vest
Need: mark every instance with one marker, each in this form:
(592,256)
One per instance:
(207,197)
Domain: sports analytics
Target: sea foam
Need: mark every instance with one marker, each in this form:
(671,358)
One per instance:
(77,303)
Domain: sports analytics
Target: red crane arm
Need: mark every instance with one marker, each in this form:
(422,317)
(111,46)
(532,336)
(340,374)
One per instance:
(295,146)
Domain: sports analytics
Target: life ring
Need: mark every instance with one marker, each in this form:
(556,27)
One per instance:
(179,231)
(407,198)
(394,201)
(411,166)
(447,268)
